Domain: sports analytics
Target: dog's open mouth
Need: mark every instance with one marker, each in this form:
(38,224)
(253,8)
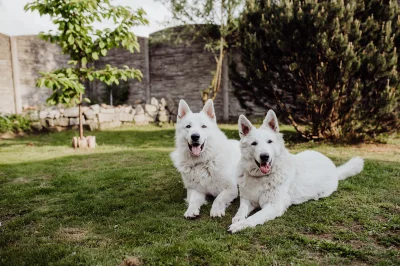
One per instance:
(196,148)
(265,167)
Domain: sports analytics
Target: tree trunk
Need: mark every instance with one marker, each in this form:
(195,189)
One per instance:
(80,118)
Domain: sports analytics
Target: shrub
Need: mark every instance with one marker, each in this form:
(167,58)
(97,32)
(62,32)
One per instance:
(330,66)
(15,123)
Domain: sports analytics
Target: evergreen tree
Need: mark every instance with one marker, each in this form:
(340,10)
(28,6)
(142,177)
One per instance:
(331,66)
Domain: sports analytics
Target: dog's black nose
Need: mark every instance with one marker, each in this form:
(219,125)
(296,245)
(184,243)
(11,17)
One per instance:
(195,137)
(264,157)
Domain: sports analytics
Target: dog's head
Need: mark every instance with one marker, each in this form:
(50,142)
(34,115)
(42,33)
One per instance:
(260,146)
(193,129)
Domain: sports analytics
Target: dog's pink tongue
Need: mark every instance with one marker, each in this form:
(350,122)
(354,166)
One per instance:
(265,168)
(196,150)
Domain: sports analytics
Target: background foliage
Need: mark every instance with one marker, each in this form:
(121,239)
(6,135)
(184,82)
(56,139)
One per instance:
(330,66)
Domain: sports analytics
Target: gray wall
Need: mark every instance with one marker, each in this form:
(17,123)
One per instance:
(7,102)
(180,71)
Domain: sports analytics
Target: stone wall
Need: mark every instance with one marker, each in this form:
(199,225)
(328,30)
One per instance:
(173,71)
(7,102)
(138,90)
(101,117)
(36,55)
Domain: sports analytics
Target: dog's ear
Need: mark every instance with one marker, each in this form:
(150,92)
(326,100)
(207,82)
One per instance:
(208,109)
(245,126)
(183,110)
(271,121)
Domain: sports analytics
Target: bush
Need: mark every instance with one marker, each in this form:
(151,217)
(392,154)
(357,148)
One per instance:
(15,123)
(330,66)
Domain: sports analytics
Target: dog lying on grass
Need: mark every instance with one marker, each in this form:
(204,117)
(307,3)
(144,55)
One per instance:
(206,160)
(272,179)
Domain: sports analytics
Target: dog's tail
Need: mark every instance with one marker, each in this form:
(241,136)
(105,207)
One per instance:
(352,167)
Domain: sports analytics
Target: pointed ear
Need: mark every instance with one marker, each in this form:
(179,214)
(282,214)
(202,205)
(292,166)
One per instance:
(208,109)
(183,110)
(245,126)
(271,121)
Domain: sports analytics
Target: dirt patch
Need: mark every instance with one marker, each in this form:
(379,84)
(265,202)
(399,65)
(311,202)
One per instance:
(72,234)
(131,261)
(20,180)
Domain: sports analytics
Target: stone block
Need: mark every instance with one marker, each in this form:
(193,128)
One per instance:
(71,112)
(163,102)
(124,117)
(108,125)
(43,122)
(63,121)
(36,126)
(151,109)
(33,115)
(89,114)
(141,119)
(42,114)
(51,122)
(154,101)
(95,108)
(93,126)
(53,114)
(133,112)
(163,118)
(150,118)
(128,109)
(74,121)
(105,117)
(139,109)
(107,110)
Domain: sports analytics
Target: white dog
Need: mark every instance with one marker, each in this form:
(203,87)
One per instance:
(206,159)
(271,178)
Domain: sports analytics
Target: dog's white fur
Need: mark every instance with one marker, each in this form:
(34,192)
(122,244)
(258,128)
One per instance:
(292,179)
(214,171)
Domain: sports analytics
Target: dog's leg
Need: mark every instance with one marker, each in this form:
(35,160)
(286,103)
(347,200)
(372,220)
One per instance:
(195,199)
(244,210)
(222,201)
(269,212)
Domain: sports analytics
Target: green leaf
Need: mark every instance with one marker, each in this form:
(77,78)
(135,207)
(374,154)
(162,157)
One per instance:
(71,39)
(84,61)
(86,100)
(95,56)
(103,52)
(102,45)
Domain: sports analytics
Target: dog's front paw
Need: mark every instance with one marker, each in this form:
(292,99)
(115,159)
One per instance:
(238,226)
(217,211)
(238,218)
(192,213)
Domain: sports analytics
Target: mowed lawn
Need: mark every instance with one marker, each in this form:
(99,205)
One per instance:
(60,206)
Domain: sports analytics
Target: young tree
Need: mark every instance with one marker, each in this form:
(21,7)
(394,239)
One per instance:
(84,44)
(331,66)
(212,14)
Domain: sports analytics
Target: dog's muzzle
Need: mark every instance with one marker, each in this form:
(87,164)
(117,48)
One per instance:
(195,148)
(265,167)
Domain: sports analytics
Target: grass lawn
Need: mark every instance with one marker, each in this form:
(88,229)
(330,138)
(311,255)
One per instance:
(60,206)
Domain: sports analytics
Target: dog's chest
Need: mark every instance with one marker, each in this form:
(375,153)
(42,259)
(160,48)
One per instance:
(201,177)
(252,188)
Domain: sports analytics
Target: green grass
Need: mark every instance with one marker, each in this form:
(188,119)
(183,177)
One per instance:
(60,206)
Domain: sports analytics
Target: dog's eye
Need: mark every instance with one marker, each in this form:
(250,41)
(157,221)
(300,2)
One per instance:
(188,126)
(203,126)
(254,143)
(269,141)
